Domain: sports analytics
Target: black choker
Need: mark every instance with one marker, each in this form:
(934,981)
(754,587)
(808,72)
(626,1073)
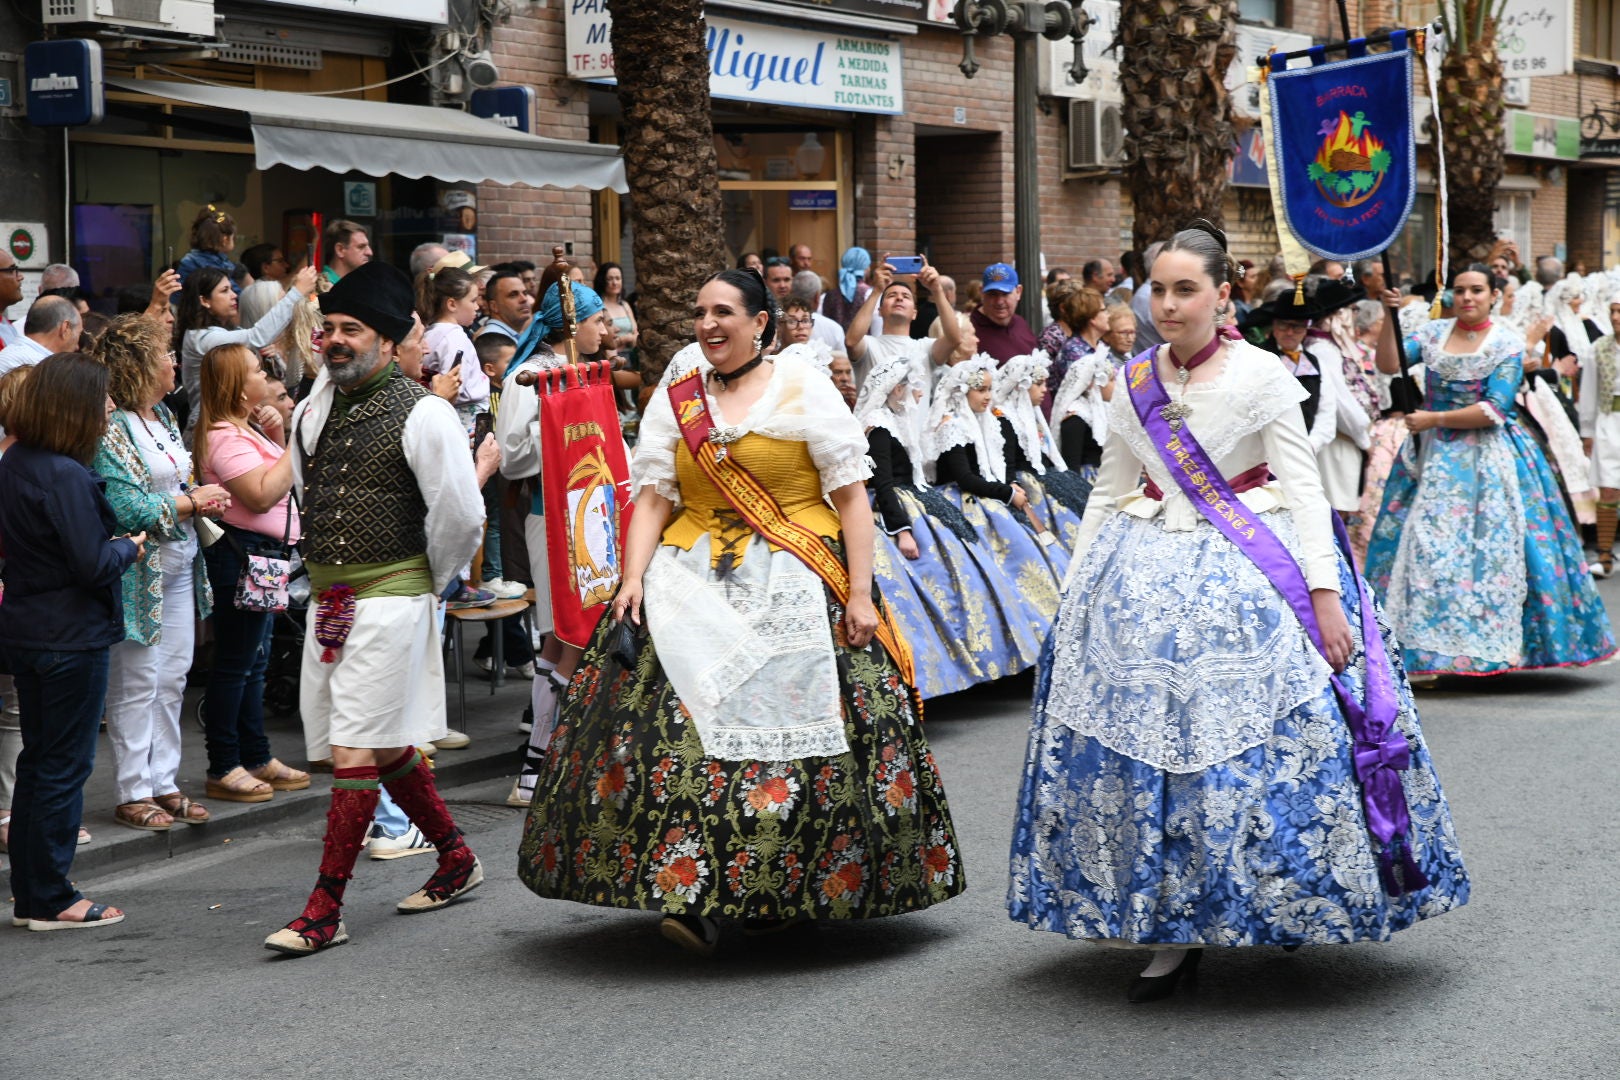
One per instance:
(728,377)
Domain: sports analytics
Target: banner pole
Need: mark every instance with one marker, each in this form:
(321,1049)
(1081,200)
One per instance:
(1344,19)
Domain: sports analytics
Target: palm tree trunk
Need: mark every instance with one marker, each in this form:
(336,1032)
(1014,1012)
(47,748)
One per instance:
(1471,114)
(1178,116)
(667,138)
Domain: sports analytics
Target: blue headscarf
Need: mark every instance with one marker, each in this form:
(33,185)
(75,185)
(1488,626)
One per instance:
(586,304)
(550,318)
(852,270)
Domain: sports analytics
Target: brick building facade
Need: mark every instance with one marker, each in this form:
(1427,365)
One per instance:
(940,177)
(935,175)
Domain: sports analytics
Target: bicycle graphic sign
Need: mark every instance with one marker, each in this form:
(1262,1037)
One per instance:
(1536,37)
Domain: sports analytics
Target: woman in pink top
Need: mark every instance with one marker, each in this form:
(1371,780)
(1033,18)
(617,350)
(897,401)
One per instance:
(251,463)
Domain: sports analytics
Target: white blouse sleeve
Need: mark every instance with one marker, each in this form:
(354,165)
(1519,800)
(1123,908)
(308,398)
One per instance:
(658,438)
(436,448)
(1326,423)
(1118,475)
(836,440)
(517,429)
(1293,461)
(1586,400)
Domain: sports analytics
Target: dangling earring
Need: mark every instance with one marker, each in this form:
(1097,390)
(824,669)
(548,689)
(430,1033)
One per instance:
(759,344)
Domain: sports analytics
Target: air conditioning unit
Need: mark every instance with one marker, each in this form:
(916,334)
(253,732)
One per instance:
(1096,136)
(189,18)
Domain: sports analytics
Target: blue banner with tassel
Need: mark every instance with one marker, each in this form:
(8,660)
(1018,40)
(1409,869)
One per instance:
(1344,152)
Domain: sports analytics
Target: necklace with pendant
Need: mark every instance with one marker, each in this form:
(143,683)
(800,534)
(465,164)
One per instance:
(1176,412)
(1472,332)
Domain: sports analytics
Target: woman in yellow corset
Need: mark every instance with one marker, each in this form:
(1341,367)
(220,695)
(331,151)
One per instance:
(755,754)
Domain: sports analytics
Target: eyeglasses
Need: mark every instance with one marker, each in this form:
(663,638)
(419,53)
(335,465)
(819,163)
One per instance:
(14,271)
(793,320)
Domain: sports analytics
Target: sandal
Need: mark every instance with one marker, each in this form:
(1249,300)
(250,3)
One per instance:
(182,809)
(446,884)
(95,915)
(238,786)
(143,814)
(304,935)
(84,836)
(281,777)
(5,833)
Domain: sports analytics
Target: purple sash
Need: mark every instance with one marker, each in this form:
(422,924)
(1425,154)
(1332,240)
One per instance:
(1381,751)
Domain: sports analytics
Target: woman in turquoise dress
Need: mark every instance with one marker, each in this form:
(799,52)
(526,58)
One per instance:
(1474,556)
(956,608)
(970,466)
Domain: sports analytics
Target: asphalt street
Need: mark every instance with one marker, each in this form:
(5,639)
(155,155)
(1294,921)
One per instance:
(1521,983)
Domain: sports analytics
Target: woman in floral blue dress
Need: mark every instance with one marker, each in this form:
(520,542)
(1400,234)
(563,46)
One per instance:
(1192,779)
(1474,556)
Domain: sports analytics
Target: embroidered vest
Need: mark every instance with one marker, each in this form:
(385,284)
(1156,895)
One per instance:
(362,502)
(1607,357)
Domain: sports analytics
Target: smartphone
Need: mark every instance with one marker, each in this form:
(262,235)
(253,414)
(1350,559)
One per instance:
(453,364)
(483,424)
(906,264)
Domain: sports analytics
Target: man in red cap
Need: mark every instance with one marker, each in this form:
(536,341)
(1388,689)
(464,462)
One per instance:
(391,511)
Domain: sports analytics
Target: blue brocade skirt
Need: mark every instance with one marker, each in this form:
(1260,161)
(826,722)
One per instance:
(964,620)
(1268,847)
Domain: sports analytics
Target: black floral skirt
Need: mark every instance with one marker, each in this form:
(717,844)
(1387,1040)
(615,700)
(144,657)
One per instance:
(629,812)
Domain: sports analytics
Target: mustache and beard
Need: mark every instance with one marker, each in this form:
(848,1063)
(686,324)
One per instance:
(348,368)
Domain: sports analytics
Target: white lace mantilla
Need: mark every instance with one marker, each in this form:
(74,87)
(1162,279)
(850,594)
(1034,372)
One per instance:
(1173,649)
(750,655)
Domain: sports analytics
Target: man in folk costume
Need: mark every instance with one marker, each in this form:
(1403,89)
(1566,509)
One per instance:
(1600,433)
(1323,381)
(391,511)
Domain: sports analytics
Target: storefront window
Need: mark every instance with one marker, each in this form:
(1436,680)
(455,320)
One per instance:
(785,186)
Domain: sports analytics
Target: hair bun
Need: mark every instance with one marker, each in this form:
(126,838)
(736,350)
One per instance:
(1205,225)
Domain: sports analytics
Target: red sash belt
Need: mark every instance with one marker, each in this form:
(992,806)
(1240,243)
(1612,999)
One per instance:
(1243,481)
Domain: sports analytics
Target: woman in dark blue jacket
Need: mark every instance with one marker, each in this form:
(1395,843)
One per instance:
(62,610)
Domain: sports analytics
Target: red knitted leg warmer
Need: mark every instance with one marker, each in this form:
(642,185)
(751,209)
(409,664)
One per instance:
(348,819)
(410,782)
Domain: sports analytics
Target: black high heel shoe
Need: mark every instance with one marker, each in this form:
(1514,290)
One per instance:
(1159,987)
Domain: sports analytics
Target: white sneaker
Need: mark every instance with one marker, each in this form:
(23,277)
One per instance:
(522,671)
(383,846)
(484,663)
(506,590)
(452,740)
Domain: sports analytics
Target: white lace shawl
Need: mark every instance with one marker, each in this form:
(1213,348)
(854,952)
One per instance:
(1571,322)
(800,404)
(872,410)
(1080,392)
(1235,412)
(952,422)
(1013,383)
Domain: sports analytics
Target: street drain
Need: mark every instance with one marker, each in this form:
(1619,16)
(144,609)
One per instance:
(468,813)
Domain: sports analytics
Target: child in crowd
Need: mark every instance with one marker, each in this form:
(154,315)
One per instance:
(495,351)
(213,238)
(447,299)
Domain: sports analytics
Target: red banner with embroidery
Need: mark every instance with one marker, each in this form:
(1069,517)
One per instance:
(759,508)
(585,482)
